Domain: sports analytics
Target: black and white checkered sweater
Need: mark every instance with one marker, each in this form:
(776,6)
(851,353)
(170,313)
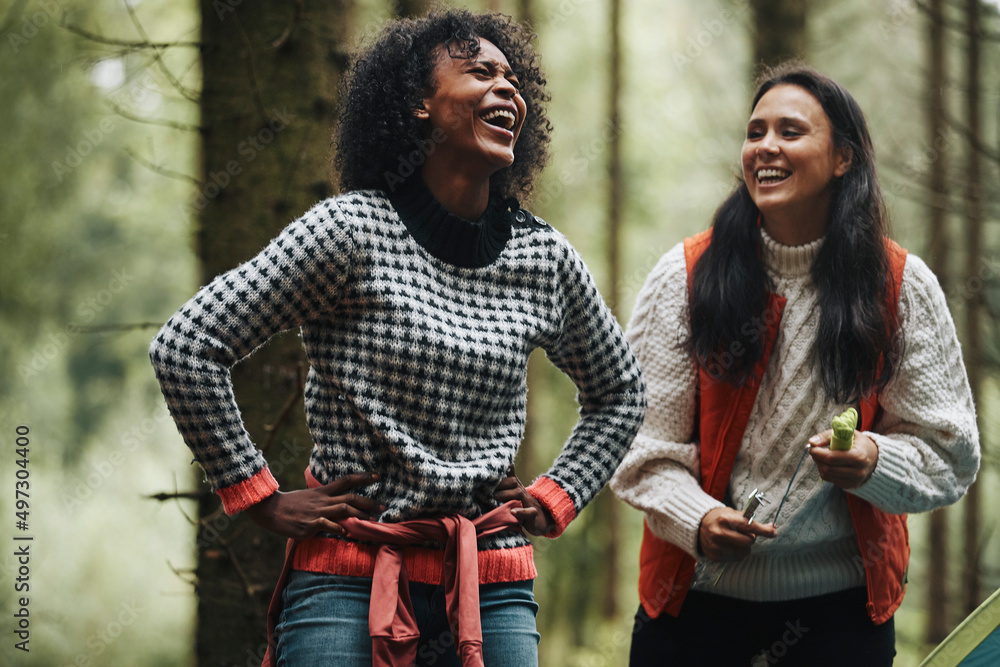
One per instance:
(418,366)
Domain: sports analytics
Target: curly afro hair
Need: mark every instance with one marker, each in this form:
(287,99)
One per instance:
(386,82)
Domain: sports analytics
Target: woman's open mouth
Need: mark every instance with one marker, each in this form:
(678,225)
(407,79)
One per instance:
(503,119)
(772,175)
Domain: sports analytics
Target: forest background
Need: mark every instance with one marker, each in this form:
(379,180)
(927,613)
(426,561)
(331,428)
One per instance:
(117,202)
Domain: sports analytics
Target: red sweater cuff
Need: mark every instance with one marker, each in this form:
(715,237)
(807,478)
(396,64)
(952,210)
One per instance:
(238,497)
(555,499)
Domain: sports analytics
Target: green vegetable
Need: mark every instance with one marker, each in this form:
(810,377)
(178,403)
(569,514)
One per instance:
(843,430)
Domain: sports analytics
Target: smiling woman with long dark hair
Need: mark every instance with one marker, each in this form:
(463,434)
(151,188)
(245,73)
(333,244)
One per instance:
(420,293)
(753,336)
(857,325)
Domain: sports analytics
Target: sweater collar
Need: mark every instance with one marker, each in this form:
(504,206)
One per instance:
(450,238)
(789,261)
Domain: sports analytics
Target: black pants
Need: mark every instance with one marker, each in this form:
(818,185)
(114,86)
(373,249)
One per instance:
(718,631)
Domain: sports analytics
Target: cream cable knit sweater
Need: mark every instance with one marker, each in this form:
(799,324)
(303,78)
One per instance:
(927,436)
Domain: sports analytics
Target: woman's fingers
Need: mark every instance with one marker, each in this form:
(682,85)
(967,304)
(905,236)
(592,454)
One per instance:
(735,536)
(510,494)
(527,516)
(822,439)
(509,484)
(359,508)
(324,525)
(304,513)
(347,482)
(510,488)
(532,516)
(534,519)
(849,469)
(340,504)
(726,535)
(758,529)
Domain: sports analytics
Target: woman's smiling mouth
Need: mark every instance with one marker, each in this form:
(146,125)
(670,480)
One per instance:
(772,175)
(505,119)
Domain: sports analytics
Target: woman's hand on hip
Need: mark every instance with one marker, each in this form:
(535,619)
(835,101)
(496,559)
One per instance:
(725,535)
(849,469)
(532,515)
(301,514)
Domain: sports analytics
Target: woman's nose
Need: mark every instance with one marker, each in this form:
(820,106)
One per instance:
(767,145)
(505,87)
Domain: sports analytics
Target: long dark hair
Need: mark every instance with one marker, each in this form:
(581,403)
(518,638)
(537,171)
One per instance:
(858,342)
(378,130)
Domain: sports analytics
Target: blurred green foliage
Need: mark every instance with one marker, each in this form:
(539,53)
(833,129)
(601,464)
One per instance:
(96,250)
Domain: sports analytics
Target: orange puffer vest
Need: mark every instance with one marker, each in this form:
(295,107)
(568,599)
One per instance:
(666,571)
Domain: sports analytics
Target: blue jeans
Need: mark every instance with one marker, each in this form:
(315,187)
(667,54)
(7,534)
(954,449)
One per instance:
(324,622)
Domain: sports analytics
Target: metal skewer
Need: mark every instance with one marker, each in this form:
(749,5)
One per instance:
(754,501)
(774,521)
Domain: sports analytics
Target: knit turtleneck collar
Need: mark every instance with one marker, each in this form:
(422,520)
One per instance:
(448,237)
(789,261)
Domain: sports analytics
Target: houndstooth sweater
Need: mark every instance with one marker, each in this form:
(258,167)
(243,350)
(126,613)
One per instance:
(417,368)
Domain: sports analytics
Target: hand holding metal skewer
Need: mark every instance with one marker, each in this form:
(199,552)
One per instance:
(844,423)
(754,501)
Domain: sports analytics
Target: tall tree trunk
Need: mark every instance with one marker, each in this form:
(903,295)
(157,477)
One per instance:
(779,30)
(937,567)
(973,313)
(610,507)
(410,8)
(270,72)
(526,12)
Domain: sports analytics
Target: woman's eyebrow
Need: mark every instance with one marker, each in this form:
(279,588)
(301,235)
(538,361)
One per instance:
(496,65)
(784,120)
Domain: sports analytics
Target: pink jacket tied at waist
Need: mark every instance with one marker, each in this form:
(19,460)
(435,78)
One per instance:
(391,622)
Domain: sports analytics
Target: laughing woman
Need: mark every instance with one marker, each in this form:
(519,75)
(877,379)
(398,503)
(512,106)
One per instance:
(752,336)
(420,293)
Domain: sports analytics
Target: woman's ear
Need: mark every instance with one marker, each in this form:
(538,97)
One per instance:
(421,111)
(845,156)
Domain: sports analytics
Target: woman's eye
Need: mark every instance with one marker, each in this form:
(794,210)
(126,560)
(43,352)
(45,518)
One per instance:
(754,134)
(515,83)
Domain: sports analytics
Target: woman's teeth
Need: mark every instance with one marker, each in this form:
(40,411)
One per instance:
(501,118)
(772,175)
